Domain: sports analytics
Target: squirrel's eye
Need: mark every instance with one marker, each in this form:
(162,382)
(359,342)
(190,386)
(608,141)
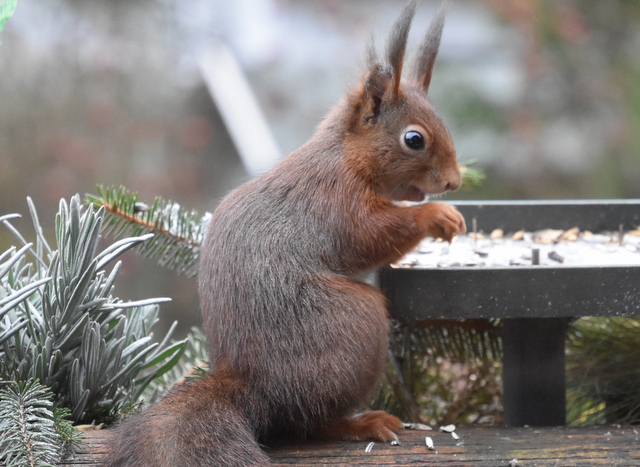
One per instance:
(414,140)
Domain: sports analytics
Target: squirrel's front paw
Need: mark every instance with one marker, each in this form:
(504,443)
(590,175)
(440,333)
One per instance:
(442,221)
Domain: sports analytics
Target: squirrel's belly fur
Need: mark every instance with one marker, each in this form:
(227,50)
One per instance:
(296,342)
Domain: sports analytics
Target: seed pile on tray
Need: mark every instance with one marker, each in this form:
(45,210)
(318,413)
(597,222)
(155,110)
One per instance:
(554,248)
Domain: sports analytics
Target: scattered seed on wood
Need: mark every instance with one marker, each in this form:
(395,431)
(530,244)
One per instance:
(598,238)
(548,236)
(519,235)
(570,235)
(554,255)
(416,426)
(513,463)
(429,442)
(448,428)
(369,447)
(454,435)
(425,249)
(408,264)
(395,442)
(589,249)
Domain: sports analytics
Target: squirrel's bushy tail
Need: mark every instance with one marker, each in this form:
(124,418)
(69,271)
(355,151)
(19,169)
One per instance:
(195,425)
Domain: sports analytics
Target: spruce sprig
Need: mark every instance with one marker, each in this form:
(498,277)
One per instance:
(32,431)
(178,233)
(603,372)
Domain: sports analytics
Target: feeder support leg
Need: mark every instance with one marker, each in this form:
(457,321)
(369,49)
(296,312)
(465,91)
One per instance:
(534,387)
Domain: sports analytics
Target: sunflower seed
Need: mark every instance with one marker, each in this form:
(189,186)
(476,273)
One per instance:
(429,442)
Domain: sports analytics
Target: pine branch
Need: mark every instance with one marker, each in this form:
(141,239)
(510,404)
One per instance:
(69,435)
(422,360)
(459,341)
(602,370)
(29,434)
(178,233)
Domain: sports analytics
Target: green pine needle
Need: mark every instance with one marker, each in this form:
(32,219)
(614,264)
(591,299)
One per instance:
(31,433)
(178,233)
(421,360)
(603,372)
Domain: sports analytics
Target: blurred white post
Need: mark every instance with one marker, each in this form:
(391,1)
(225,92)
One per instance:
(239,109)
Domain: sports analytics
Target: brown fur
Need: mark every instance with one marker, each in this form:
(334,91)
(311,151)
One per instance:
(296,342)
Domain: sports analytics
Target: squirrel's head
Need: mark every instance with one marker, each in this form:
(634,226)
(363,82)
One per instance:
(394,136)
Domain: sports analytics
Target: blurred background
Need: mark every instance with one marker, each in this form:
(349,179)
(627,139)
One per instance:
(543,95)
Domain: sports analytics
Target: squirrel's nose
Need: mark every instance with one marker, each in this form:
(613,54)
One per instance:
(454,184)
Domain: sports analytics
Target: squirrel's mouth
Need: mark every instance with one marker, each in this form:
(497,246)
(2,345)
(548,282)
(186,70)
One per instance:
(408,192)
(413,193)
(419,190)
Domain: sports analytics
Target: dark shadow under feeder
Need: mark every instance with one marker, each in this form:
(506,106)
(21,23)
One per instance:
(534,303)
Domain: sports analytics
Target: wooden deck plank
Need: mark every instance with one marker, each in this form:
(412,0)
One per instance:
(476,446)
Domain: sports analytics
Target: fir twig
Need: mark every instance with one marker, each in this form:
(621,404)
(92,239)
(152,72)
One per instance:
(30,431)
(427,358)
(603,372)
(178,233)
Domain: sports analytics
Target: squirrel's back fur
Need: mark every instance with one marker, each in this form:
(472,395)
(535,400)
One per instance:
(296,341)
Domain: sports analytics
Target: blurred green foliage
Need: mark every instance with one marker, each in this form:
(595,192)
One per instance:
(7,7)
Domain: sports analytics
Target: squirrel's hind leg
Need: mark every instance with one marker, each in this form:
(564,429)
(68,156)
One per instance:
(376,425)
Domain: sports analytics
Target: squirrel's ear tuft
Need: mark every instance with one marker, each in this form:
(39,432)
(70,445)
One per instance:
(428,51)
(377,84)
(397,43)
(372,54)
(382,83)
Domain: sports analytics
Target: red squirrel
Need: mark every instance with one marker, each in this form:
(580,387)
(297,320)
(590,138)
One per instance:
(296,341)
